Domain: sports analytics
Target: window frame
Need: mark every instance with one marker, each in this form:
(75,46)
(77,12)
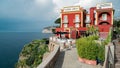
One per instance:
(65,25)
(77,18)
(65,20)
(104,17)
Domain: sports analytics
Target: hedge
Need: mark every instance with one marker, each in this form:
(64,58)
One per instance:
(89,49)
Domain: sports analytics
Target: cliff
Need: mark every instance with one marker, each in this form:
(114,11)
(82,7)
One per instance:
(32,54)
(49,29)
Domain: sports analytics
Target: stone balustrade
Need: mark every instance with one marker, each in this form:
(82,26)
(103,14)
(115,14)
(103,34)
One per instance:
(49,62)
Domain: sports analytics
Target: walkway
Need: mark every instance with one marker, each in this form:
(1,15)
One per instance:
(69,59)
(117,54)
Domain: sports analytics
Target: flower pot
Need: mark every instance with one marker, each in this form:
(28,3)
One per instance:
(81,59)
(92,62)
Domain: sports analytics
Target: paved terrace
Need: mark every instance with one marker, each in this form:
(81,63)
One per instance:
(68,58)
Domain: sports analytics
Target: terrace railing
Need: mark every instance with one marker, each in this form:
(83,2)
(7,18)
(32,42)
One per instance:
(109,56)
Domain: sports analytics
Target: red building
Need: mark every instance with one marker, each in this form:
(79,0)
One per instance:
(102,17)
(75,20)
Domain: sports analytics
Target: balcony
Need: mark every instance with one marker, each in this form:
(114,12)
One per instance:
(102,20)
(76,20)
(87,21)
(65,21)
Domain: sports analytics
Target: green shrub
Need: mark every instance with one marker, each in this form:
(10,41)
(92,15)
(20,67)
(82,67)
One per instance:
(91,51)
(101,53)
(33,53)
(30,60)
(92,37)
(87,48)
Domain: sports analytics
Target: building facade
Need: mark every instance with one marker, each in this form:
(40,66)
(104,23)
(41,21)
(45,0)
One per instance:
(75,20)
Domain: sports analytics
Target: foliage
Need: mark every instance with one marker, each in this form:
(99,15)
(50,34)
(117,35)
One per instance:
(89,49)
(32,54)
(58,21)
(117,26)
(101,53)
(53,30)
(30,60)
(116,23)
(93,37)
(92,30)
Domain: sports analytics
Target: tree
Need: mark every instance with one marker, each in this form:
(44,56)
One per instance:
(58,21)
(117,26)
(116,23)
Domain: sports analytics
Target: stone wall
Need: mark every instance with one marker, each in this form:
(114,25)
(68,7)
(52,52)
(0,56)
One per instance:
(49,62)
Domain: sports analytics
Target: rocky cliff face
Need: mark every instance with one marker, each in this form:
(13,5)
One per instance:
(49,29)
(32,54)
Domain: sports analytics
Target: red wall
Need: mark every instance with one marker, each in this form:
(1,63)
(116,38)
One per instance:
(92,17)
(71,18)
(71,23)
(104,27)
(109,19)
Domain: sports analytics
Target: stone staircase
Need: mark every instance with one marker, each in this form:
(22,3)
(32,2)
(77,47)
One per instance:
(117,55)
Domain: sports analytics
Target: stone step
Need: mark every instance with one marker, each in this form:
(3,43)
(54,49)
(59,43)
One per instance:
(117,65)
(117,57)
(117,47)
(117,60)
(117,53)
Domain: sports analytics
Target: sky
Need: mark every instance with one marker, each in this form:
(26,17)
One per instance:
(33,15)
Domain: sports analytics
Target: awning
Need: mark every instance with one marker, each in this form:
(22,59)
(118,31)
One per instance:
(61,32)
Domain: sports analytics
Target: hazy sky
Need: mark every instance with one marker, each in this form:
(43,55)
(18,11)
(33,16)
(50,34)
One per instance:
(33,15)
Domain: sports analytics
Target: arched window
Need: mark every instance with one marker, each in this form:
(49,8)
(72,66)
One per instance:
(104,16)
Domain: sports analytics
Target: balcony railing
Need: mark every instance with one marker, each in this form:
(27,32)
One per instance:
(87,20)
(108,20)
(65,21)
(76,20)
(109,56)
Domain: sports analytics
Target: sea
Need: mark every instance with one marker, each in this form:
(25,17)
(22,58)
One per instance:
(11,44)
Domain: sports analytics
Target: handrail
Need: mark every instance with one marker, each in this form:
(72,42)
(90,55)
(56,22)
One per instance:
(109,56)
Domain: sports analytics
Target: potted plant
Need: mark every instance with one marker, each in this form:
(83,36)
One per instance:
(87,50)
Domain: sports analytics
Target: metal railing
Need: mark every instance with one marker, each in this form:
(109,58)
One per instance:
(109,56)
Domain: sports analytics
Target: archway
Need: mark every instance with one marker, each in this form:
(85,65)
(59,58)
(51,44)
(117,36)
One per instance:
(104,26)
(104,23)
